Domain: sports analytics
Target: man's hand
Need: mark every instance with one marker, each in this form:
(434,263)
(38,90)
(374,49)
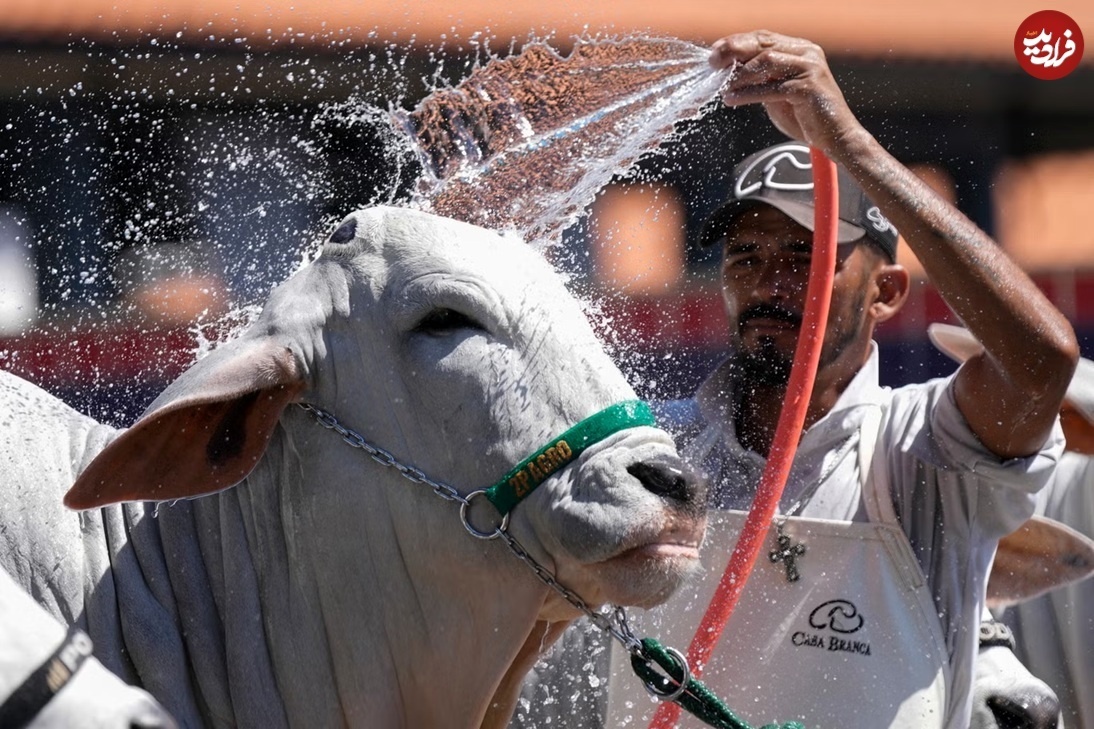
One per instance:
(791,78)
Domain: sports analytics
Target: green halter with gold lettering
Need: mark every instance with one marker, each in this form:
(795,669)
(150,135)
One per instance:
(563,450)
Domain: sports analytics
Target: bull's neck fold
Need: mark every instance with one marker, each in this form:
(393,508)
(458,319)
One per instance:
(253,631)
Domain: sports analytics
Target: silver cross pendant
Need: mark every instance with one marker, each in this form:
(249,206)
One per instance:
(786,552)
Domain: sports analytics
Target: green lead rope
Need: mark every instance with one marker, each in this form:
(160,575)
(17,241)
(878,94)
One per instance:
(560,451)
(696,697)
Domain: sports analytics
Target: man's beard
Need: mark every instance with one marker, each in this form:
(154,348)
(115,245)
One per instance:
(769,367)
(766,366)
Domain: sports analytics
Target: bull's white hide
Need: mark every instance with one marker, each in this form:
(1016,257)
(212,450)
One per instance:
(325,590)
(92,698)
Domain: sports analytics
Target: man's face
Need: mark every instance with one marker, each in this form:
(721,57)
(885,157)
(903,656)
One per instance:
(765,272)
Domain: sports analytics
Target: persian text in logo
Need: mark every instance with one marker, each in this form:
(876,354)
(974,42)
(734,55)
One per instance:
(1048,45)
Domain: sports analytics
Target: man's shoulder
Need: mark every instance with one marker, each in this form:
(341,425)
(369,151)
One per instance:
(916,400)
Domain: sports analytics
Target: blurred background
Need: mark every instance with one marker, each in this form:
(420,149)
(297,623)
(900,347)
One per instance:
(164,163)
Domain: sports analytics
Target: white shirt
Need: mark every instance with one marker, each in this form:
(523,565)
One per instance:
(952,496)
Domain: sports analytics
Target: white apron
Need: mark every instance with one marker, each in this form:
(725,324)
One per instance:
(854,642)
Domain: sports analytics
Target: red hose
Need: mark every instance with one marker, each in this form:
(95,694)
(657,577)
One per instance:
(791,420)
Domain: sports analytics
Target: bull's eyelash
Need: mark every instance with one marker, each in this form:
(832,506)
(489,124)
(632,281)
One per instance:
(442,321)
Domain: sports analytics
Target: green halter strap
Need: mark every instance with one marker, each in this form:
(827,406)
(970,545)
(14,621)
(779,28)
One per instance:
(560,451)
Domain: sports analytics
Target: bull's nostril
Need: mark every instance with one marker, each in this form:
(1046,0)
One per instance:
(1039,713)
(662,480)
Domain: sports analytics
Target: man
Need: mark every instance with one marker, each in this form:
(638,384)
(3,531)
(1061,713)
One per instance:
(867,612)
(870,616)
(1054,632)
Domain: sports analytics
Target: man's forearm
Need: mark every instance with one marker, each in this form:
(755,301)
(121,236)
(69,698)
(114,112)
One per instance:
(1030,344)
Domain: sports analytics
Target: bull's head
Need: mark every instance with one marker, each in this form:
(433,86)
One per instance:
(459,351)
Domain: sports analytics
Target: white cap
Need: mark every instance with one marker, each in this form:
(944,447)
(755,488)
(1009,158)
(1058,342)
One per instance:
(960,344)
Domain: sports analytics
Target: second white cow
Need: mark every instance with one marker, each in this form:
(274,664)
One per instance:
(326,589)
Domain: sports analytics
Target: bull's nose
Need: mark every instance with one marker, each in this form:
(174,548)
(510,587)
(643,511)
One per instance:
(1040,712)
(667,481)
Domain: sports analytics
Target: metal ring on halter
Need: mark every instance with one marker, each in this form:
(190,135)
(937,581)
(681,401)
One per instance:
(683,684)
(472,530)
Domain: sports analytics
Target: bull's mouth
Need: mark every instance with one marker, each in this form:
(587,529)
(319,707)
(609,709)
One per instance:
(645,573)
(643,569)
(660,550)
(678,544)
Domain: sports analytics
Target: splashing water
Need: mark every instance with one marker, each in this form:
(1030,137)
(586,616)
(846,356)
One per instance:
(526,142)
(244,159)
(158,189)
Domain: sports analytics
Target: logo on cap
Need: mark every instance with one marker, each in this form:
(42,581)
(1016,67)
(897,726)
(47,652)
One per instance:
(879,221)
(770,165)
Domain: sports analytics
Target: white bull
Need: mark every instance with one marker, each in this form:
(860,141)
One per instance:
(325,589)
(1042,555)
(49,681)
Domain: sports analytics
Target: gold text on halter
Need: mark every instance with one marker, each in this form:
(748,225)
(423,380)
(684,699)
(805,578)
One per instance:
(538,469)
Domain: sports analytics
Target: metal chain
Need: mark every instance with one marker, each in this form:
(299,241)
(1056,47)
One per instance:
(807,494)
(384,458)
(612,620)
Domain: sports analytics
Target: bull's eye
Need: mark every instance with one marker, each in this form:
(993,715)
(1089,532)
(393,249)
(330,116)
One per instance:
(345,232)
(445,321)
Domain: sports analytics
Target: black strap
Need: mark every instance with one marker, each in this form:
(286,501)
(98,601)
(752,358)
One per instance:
(41,686)
(993,633)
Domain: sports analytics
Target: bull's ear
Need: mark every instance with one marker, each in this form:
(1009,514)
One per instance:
(1041,555)
(204,433)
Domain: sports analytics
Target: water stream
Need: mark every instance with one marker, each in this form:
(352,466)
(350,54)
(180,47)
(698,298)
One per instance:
(526,142)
